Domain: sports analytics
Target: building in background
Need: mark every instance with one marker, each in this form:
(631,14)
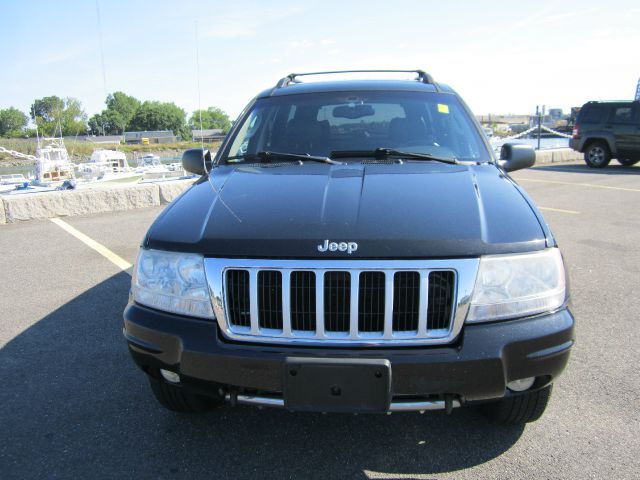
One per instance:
(147,137)
(207,135)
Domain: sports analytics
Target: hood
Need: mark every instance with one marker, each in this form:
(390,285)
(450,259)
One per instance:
(410,210)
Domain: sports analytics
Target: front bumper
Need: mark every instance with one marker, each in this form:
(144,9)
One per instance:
(476,367)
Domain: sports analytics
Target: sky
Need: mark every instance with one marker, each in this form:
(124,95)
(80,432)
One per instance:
(502,57)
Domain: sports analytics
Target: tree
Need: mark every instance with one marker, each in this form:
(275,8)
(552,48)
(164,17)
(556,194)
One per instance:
(55,115)
(212,117)
(115,119)
(12,122)
(123,108)
(152,115)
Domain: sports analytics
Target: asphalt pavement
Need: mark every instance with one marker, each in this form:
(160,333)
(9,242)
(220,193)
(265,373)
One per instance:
(73,405)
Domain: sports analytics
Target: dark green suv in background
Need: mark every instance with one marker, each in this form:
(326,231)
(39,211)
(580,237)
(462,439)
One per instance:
(606,130)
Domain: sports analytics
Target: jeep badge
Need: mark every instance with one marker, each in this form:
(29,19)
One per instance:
(348,247)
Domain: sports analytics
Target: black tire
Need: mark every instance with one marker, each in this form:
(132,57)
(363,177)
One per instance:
(627,162)
(177,399)
(597,155)
(518,409)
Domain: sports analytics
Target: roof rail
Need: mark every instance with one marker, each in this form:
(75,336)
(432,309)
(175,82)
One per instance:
(293,77)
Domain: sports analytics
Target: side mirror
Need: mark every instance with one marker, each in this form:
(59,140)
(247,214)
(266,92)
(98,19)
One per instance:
(516,156)
(197,160)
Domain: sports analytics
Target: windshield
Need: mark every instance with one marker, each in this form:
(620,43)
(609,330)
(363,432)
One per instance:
(321,123)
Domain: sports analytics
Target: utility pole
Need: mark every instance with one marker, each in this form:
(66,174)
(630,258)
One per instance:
(539,124)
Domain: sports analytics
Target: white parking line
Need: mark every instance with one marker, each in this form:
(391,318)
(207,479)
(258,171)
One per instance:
(561,210)
(98,247)
(592,185)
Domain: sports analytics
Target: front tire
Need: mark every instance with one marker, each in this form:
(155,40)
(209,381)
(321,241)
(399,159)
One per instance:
(519,409)
(627,162)
(597,155)
(177,399)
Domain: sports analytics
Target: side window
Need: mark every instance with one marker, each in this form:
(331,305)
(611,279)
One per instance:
(591,115)
(622,115)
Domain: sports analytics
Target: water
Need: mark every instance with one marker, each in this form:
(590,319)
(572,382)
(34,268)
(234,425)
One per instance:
(27,169)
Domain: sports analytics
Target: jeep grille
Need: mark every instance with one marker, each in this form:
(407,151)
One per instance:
(341,302)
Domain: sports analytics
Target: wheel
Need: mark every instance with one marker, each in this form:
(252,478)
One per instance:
(627,162)
(177,399)
(523,408)
(597,155)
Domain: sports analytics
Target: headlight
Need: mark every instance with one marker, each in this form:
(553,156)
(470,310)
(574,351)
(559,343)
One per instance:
(511,286)
(173,282)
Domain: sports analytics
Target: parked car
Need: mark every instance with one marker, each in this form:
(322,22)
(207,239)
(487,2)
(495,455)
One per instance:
(606,130)
(354,246)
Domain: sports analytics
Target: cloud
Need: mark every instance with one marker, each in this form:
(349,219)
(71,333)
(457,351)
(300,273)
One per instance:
(70,53)
(558,17)
(301,44)
(245,23)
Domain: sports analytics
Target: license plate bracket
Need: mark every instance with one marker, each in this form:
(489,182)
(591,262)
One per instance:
(337,385)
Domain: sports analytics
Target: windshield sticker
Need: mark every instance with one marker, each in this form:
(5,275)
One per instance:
(442,108)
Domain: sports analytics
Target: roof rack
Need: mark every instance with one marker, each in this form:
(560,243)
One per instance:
(293,77)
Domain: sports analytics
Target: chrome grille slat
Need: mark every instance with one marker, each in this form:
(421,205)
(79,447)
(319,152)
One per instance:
(253,301)
(388,304)
(341,302)
(319,305)
(286,300)
(422,304)
(354,303)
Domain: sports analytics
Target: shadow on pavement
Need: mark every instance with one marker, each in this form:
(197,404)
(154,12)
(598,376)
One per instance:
(613,168)
(74,405)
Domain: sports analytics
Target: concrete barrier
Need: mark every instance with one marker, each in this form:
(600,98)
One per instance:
(170,190)
(17,208)
(79,202)
(557,155)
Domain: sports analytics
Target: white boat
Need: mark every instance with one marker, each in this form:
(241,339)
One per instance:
(108,166)
(153,169)
(13,179)
(149,161)
(52,164)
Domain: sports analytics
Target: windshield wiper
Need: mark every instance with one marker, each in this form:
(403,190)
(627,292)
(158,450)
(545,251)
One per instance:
(390,152)
(268,156)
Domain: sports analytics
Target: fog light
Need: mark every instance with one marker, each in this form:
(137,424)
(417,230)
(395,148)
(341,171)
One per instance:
(520,385)
(170,376)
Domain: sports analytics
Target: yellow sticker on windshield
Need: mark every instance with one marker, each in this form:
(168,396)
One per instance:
(442,108)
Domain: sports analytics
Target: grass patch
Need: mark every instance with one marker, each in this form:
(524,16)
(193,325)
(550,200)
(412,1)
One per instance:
(82,150)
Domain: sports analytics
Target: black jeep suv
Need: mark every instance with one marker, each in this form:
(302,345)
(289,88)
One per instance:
(606,130)
(354,246)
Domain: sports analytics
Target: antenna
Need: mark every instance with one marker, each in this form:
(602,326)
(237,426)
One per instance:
(35,120)
(204,162)
(104,74)
(198,86)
